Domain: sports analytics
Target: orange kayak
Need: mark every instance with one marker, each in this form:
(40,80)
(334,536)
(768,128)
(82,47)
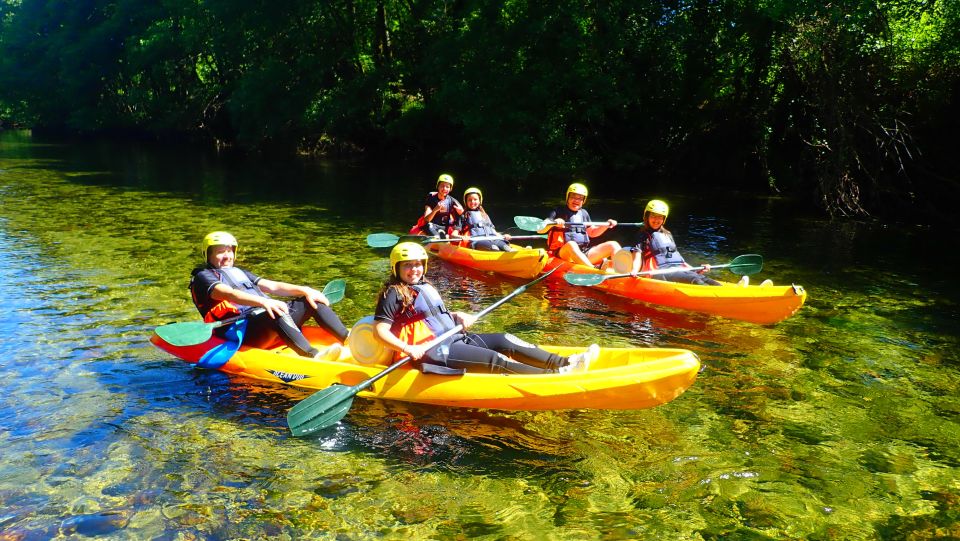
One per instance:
(521,263)
(764,305)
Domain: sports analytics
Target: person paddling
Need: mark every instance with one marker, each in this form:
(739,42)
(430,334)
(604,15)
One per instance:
(410,312)
(656,249)
(440,210)
(568,239)
(476,223)
(220,291)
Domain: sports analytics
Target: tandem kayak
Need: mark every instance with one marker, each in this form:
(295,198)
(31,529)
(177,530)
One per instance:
(620,379)
(521,263)
(764,305)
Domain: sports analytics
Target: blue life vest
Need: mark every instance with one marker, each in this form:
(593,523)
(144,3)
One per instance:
(428,309)
(478,224)
(659,250)
(573,230)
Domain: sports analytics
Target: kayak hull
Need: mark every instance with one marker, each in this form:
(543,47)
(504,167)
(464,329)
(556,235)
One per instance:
(521,263)
(620,379)
(764,305)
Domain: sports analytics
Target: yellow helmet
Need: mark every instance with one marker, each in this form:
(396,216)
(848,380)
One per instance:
(407,251)
(445,178)
(217,238)
(471,190)
(578,189)
(657,206)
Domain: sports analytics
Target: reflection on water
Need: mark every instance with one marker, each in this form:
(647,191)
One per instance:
(839,423)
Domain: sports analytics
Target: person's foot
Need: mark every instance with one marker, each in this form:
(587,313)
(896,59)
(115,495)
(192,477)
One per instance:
(744,282)
(580,362)
(766,283)
(330,353)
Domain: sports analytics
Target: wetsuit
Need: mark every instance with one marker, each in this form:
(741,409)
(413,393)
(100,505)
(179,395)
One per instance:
(472,352)
(659,251)
(476,223)
(262,330)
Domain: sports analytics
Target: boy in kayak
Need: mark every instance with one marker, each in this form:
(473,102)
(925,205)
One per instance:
(569,239)
(410,313)
(440,210)
(476,223)
(220,291)
(656,249)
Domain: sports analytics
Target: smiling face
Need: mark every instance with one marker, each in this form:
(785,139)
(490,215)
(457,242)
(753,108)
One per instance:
(575,201)
(410,272)
(220,256)
(473,201)
(654,220)
(443,188)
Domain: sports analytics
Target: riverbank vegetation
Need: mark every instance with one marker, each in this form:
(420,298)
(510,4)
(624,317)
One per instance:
(850,104)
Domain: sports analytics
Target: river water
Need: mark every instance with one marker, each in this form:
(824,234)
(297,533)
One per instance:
(838,423)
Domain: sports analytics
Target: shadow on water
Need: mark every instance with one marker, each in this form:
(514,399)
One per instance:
(424,438)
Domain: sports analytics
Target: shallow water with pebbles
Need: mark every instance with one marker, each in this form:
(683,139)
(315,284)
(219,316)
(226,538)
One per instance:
(842,422)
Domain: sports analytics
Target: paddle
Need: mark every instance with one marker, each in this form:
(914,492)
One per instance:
(530,223)
(740,265)
(189,333)
(386,240)
(324,408)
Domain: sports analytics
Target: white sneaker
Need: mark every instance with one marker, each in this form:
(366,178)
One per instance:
(330,353)
(744,282)
(766,283)
(580,362)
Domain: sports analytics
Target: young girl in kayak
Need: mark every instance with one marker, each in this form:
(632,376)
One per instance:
(568,239)
(656,249)
(476,223)
(220,291)
(440,210)
(410,313)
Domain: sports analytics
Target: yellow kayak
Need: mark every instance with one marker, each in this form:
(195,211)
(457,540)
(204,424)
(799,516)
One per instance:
(521,263)
(620,379)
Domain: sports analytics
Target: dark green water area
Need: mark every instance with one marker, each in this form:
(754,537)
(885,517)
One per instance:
(838,423)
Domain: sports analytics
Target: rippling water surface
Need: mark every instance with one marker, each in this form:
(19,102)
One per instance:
(839,423)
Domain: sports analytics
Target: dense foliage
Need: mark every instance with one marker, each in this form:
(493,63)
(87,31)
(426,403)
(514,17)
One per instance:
(851,102)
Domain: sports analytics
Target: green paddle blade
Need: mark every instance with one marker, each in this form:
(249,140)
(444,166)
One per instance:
(585,279)
(320,410)
(187,333)
(334,290)
(382,240)
(745,265)
(530,223)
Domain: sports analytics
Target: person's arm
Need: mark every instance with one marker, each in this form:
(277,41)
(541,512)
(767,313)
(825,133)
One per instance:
(464,318)
(557,222)
(223,292)
(597,230)
(284,289)
(457,207)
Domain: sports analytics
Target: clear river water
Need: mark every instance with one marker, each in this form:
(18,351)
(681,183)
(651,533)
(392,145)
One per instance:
(842,422)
